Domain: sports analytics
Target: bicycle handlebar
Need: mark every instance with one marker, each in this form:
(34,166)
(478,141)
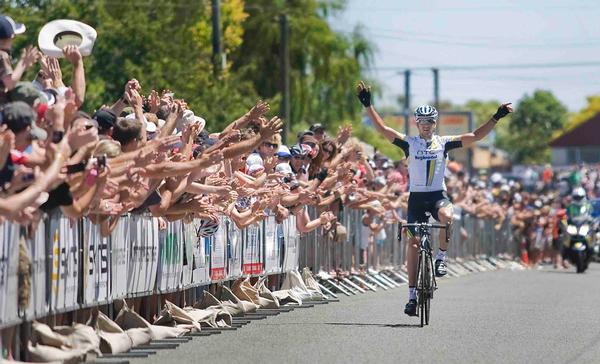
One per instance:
(424,224)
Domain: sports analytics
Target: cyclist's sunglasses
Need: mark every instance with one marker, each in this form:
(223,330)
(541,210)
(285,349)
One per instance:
(426,121)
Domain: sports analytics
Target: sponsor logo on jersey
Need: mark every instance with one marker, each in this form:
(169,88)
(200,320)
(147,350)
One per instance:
(426,154)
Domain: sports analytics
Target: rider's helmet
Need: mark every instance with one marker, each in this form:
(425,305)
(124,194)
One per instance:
(578,196)
(207,228)
(426,112)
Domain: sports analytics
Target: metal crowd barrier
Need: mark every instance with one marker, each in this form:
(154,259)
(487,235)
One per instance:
(483,237)
(72,266)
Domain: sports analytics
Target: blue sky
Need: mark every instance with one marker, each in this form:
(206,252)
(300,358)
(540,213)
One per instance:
(439,33)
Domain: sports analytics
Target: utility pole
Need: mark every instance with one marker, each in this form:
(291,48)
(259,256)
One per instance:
(285,75)
(217,58)
(407,90)
(436,87)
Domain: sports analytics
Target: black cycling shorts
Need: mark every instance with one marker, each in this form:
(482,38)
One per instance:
(419,203)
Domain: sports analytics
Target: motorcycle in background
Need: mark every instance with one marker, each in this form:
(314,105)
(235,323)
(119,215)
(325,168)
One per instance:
(578,247)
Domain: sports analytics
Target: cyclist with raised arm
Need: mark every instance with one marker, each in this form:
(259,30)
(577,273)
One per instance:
(427,154)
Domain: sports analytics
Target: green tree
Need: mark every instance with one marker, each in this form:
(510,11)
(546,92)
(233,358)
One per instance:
(535,119)
(167,44)
(163,44)
(325,65)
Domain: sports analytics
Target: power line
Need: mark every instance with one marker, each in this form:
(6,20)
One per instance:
(495,44)
(476,37)
(491,66)
(477,9)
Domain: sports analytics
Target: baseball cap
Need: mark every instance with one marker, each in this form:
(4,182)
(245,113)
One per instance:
(8,27)
(284,168)
(106,118)
(305,132)
(283,152)
(254,159)
(18,116)
(255,168)
(315,128)
(309,139)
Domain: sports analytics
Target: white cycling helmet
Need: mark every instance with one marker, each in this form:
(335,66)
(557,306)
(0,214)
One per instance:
(426,112)
(578,195)
(207,228)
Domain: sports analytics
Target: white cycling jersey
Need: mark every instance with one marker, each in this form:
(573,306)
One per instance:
(427,160)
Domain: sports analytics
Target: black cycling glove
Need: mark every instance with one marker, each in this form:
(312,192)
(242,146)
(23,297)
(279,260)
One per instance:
(502,112)
(364,95)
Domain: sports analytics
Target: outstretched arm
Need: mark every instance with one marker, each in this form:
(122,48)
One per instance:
(257,111)
(364,95)
(481,132)
(78,84)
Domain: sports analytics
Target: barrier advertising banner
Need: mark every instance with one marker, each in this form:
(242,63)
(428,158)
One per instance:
(170,265)
(65,263)
(119,248)
(38,304)
(143,254)
(234,250)
(252,263)
(136,247)
(217,253)
(9,280)
(272,249)
(290,261)
(96,270)
(201,257)
(150,237)
(189,239)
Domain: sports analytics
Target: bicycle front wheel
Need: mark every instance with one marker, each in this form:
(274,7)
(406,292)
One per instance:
(422,287)
(427,272)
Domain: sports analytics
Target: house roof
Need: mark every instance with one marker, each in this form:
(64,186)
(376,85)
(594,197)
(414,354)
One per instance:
(585,134)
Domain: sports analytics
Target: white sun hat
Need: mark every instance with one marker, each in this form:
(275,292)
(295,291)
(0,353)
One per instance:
(58,34)
(150,127)
(189,118)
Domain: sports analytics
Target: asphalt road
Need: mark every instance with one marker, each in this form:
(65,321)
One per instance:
(541,316)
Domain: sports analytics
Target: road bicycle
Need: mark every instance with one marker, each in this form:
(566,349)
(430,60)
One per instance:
(426,283)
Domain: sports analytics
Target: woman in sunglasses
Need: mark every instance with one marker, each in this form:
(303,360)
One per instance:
(327,151)
(427,155)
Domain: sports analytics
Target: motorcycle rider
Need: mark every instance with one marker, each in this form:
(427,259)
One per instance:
(579,206)
(579,214)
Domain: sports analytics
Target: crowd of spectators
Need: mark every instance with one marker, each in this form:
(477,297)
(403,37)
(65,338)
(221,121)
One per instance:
(152,153)
(149,152)
(532,204)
